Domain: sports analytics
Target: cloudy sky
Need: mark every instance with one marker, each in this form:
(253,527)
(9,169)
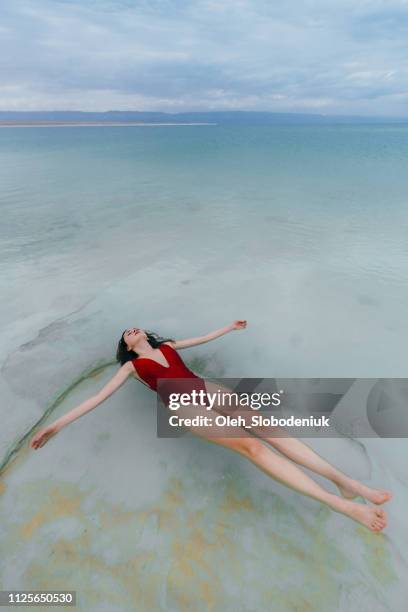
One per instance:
(320,56)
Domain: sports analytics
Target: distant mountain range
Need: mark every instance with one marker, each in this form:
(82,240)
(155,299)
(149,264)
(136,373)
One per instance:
(219,117)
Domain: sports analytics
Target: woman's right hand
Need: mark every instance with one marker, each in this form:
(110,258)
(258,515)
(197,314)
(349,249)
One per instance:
(43,435)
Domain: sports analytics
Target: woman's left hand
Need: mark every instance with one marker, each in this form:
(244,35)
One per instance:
(240,324)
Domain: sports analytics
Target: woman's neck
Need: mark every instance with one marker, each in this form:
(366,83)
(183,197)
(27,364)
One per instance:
(144,348)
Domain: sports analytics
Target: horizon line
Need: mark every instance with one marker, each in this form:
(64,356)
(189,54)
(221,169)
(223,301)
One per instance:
(171,113)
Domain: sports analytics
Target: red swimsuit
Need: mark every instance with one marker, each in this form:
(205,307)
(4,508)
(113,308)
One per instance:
(150,371)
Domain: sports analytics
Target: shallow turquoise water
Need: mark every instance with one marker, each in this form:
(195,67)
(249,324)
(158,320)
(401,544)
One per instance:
(299,229)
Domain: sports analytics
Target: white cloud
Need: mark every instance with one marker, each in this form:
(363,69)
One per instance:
(346,56)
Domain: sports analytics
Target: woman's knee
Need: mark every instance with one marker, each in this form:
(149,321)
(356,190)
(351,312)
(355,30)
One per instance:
(250,447)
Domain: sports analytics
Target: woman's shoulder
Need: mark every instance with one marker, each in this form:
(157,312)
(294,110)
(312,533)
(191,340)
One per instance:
(129,366)
(169,343)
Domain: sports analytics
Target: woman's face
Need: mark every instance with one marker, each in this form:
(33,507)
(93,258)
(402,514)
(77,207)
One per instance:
(133,335)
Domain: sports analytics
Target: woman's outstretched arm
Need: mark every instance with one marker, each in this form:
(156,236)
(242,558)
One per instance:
(180,344)
(43,435)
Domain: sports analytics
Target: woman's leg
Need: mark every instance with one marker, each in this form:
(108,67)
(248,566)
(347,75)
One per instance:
(301,453)
(283,470)
(287,473)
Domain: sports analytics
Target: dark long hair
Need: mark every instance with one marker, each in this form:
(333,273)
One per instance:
(123,354)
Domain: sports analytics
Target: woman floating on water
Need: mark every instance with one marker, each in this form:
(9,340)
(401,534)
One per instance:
(147,357)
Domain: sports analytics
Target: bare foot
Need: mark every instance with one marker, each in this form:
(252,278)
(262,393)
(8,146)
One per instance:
(369,516)
(353,488)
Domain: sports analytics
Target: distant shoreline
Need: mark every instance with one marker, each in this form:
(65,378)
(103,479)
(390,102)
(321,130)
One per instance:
(58,124)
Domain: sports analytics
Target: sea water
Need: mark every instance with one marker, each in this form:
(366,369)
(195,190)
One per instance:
(302,231)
